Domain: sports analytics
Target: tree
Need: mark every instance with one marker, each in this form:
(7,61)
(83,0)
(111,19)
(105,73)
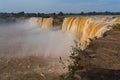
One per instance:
(20,14)
(61,13)
(82,13)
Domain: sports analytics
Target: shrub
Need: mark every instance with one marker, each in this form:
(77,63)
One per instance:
(78,62)
(79,59)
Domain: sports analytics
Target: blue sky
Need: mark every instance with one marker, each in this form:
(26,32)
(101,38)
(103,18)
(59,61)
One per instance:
(49,6)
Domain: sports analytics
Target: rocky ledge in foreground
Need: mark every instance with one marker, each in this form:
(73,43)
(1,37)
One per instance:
(104,58)
(105,52)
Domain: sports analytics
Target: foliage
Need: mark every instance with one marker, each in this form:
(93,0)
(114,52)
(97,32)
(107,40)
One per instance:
(79,61)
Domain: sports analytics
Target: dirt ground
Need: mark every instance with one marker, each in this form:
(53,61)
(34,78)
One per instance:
(29,68)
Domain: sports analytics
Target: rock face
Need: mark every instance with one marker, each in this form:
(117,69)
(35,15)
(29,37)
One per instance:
(101,74)
(104,57)
(106,51)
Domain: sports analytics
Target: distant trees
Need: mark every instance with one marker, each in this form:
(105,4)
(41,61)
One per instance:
(61,13)
(23,14)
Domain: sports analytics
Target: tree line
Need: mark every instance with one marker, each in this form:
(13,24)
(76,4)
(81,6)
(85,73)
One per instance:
(23,14)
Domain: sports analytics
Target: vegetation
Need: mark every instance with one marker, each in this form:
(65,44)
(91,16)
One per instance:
(79,62)
(23,14)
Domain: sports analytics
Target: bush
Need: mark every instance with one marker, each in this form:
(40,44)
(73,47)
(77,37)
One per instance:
(78,62)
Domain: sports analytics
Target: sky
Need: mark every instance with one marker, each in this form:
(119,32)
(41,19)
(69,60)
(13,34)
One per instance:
(67,6)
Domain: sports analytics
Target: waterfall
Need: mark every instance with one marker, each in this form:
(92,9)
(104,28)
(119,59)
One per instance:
(86,28)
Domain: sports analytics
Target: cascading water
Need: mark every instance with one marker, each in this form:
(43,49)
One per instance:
(44,23)
(86,28)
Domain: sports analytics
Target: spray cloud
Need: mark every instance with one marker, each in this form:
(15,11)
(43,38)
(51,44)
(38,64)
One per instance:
(26,38)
